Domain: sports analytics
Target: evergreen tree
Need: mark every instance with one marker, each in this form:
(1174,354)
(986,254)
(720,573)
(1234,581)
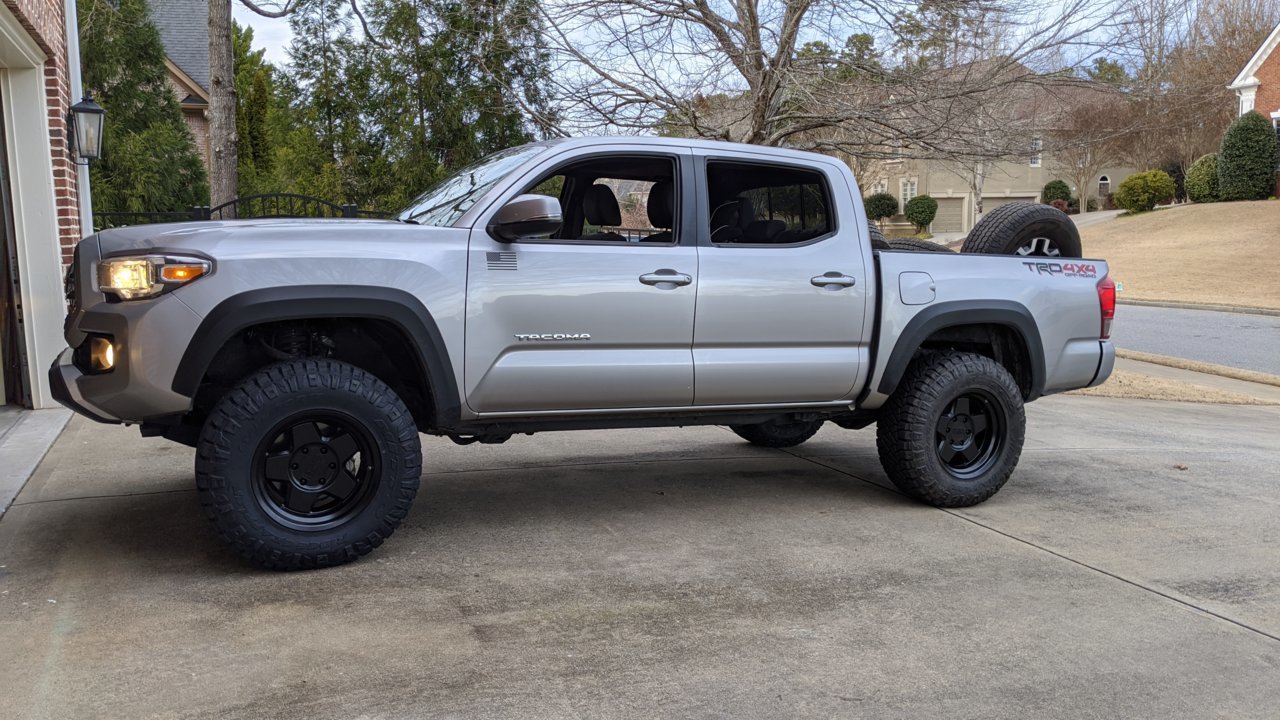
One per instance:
(149,159)
(1247,162)
(255,98)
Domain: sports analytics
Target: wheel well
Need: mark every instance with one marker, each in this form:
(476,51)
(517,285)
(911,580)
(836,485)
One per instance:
(1001,343)
(377,346)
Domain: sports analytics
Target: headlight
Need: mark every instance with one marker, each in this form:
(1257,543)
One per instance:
(143,277)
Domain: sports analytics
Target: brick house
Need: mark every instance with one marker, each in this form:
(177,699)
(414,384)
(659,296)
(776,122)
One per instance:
(184,32)
(1258,84)
(43,193)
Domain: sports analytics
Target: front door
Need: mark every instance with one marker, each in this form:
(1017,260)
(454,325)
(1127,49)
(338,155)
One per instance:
(782,293)
(599,315)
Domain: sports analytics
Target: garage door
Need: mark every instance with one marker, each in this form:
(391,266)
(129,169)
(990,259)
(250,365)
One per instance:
(991,203)
(950,217)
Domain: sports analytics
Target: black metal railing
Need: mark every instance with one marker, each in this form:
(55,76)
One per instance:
(270,205)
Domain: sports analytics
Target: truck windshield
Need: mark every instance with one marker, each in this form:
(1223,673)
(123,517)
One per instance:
(444,203)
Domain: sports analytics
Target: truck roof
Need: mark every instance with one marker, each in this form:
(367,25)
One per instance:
(679,142)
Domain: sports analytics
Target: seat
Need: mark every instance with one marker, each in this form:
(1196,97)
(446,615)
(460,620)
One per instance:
(763,231)
(661,210)
(600,208)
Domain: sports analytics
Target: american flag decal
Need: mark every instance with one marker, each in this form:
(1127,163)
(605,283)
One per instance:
(501,260)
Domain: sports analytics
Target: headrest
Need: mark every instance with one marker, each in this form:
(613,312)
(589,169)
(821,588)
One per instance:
(746,211)
(726,215)
(661,204)
(601,207)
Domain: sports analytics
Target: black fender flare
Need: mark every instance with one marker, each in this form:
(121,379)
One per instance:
(966,312)
(254,307)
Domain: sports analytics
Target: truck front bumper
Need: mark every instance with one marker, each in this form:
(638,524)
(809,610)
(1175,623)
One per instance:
(148,338)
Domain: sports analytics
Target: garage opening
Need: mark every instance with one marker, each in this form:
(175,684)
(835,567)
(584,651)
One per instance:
(13,375)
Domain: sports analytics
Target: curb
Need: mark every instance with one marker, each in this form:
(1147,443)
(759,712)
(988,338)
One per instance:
(1241,309)
(1201,367)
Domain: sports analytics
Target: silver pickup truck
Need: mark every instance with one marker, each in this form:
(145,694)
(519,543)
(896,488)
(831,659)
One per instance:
(570,284)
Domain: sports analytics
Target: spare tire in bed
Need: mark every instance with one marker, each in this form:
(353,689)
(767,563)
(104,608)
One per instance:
(1023,228)
(878,241)
(916,245)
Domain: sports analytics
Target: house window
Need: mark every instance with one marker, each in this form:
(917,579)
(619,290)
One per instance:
(1036,145)
(881,186)
(1104,187)
(906,191)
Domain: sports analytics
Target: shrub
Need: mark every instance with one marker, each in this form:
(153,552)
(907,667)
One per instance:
(1174,169)
(920,211)
(1141,191)
(1202,179)
(880,206)
(1247,159)
(1055,190)
(1061,204)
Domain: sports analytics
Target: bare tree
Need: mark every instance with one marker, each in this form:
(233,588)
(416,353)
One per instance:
(729,69)
(1088,139)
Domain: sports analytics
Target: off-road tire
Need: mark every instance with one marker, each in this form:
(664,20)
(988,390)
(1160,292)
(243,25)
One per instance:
(1028,229)
(234,451)
(878,240)
(917,245)
(910,433)
(774,434)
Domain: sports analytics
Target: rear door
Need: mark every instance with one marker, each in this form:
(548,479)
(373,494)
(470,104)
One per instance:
(599,317)
(782,288)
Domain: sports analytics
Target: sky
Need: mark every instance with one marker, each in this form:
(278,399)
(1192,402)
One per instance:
(272,34)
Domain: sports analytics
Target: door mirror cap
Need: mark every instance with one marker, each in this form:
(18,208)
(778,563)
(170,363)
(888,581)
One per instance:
(524,217)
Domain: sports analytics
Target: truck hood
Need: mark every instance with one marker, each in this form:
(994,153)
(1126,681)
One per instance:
(210,237)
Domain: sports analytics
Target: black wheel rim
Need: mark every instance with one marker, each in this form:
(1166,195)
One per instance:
(970,435)
(316,470)
(1039,246)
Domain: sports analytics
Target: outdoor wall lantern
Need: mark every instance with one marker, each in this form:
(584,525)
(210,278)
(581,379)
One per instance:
(84,130)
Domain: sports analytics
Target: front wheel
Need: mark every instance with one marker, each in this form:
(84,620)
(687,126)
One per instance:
(309,463)
(952,433)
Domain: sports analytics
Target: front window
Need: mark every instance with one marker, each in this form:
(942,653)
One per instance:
(452,197)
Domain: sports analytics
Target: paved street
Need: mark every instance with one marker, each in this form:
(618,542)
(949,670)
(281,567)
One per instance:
(676,573)
(1250,342)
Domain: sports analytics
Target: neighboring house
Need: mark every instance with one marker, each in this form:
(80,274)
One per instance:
(1026,115)
(1258,84)
(43,194)
(184,31)
(950,183)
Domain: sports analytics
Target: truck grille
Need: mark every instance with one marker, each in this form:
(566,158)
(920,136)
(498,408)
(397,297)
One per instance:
(71,289)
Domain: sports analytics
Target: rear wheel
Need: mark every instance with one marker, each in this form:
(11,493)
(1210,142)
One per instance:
(1022,228)
(952,433)
(308,463)
(778,434)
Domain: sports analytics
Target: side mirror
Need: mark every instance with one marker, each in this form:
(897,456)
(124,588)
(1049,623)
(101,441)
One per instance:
(526,216)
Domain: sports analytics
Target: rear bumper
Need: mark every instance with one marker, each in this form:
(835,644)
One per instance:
(1106,363)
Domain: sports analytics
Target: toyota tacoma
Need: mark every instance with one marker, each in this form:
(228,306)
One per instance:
(563,285)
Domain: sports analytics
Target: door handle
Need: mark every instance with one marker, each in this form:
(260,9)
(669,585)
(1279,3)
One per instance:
(833,280)
(666,278)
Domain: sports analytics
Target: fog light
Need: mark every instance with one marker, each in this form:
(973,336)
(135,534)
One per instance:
(102,354)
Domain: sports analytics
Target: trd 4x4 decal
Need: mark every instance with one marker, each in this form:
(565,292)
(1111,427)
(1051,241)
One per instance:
(1063,269)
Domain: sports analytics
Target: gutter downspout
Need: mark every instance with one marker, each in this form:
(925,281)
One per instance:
(77,88)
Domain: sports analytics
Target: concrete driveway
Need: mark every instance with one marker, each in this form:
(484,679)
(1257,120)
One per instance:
(676,573)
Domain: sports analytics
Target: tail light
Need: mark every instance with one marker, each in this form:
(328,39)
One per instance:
(1107,302)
